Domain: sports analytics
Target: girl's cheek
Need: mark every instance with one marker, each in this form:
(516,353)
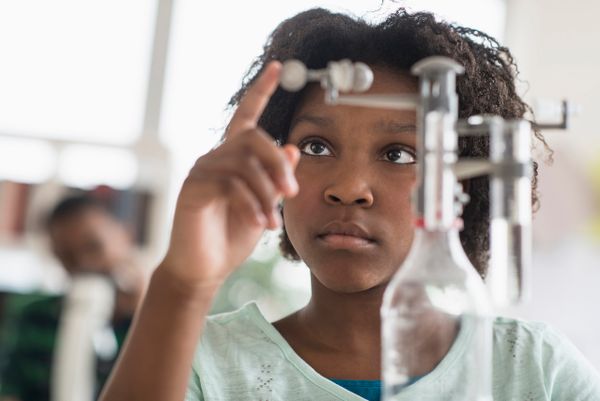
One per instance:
(307,177)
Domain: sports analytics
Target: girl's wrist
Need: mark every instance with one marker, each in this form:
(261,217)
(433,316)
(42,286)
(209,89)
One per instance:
(179,289)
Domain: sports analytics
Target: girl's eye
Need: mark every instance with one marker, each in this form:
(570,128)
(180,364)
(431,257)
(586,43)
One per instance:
(400,156)
(315,148)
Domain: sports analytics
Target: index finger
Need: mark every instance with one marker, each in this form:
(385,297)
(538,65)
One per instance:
(254,101)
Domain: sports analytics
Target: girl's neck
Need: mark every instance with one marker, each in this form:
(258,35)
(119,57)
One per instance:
(344,322)
(339,335)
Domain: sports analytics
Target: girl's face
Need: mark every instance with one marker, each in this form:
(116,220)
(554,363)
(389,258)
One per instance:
(351,221)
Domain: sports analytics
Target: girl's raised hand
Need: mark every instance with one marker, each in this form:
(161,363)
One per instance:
(231,194)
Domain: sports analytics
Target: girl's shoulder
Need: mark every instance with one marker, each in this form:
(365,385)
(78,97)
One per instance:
(529,353)
(516,331)
(243,324)
(526,336)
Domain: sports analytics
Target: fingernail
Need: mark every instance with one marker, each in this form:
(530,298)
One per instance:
(293,184)
(290,185)
(289,179)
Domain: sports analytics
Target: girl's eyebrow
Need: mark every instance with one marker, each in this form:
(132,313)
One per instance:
(394,127)
(312,119)
(383,126)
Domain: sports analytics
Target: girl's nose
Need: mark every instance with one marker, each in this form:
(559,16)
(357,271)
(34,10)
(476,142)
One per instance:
(349,188)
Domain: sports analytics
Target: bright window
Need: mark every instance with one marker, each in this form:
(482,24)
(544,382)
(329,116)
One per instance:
(74,69)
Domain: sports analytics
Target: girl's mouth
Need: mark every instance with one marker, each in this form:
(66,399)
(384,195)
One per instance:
(344,241)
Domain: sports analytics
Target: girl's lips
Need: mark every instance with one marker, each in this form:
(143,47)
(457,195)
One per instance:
(342,241)
(346,228)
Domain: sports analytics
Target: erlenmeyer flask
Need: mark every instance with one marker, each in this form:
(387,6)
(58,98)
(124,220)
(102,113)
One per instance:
(436,325)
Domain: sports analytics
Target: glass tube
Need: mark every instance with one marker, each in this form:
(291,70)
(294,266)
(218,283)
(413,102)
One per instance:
(510,213)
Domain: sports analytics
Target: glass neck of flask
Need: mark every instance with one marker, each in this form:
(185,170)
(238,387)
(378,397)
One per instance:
(439,249)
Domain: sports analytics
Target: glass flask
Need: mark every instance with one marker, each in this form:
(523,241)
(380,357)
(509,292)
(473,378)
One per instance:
(436,324)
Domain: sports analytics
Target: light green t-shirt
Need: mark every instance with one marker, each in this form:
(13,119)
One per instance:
(241,356)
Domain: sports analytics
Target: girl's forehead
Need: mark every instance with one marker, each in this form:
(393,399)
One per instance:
(385,81)
(314,111)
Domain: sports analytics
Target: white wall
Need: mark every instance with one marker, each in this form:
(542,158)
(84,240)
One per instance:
(556,46)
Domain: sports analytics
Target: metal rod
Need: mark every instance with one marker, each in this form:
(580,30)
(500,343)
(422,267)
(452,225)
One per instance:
(394,102)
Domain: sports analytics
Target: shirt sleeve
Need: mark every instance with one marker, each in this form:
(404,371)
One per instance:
(194,390)
(569,375)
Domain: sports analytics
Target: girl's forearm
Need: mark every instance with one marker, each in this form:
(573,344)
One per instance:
(155,362)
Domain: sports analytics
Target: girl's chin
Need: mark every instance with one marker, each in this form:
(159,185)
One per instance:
(348,282)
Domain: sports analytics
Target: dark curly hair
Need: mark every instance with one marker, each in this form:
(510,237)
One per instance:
(318,36)
(73,206)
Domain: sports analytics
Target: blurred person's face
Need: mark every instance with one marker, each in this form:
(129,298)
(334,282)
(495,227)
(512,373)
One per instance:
(90,241)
